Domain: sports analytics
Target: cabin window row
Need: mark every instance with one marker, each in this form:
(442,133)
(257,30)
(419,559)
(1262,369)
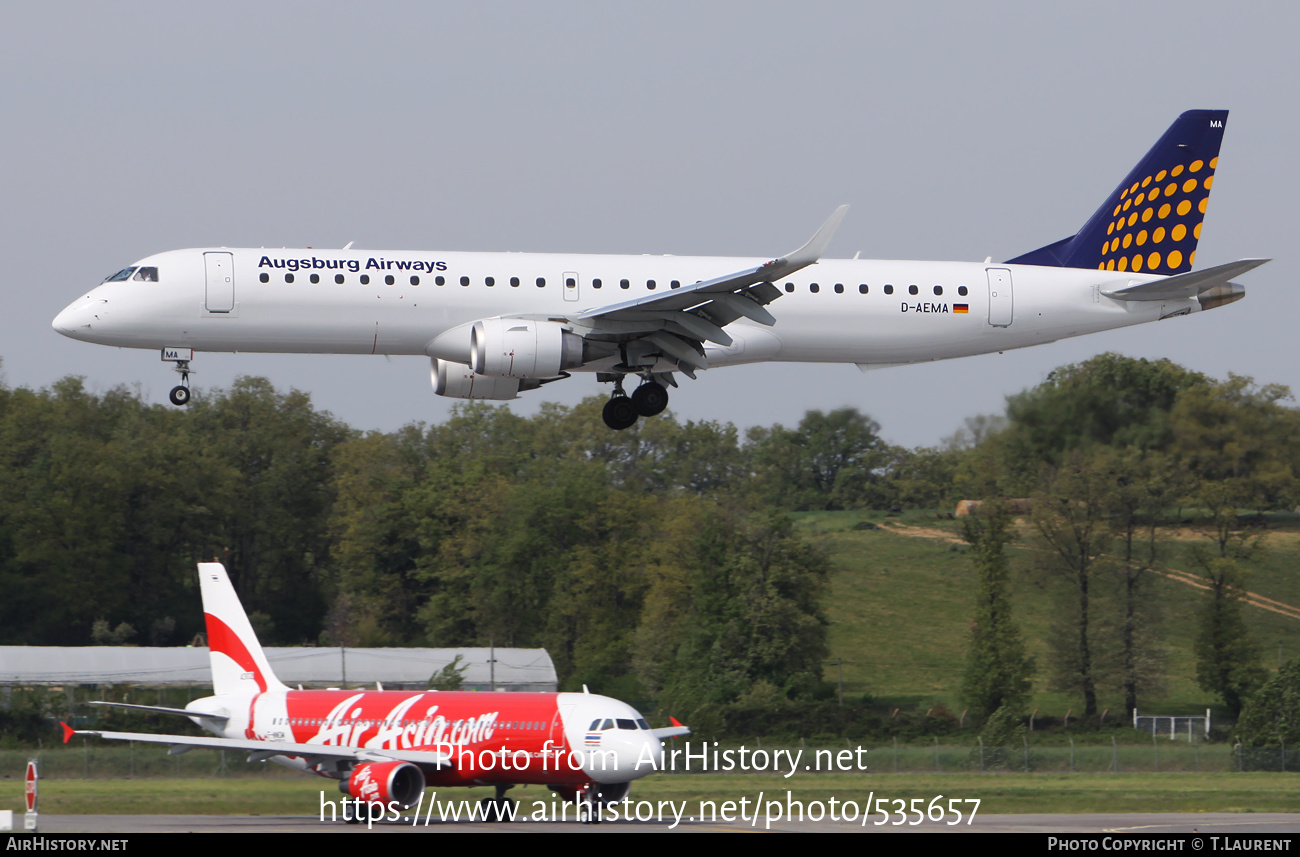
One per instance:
(390,280)
(863,289)
(369,722)
(597,283)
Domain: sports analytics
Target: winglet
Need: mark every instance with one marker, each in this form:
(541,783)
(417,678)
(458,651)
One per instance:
(68,732)
(688,297)
(812,251)
(674,731)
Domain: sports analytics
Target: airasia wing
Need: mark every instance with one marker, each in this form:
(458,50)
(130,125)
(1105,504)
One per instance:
(385,747)
(498,324)
(311,754)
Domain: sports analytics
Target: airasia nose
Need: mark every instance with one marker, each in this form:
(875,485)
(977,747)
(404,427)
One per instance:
(635,754)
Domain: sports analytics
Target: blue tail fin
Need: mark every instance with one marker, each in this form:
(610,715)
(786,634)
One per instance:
(1152,221)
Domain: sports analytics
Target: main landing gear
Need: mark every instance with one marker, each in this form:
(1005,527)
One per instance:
(650,399)
(622,410)
(500,807)
(349,815)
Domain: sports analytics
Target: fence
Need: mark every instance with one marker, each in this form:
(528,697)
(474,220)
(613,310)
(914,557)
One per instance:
(1174,728)
(87,759)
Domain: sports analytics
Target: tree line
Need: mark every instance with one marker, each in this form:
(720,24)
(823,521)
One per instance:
(658,562)
(1124,464)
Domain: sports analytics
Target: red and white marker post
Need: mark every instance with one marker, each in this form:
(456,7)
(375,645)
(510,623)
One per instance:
(29,820)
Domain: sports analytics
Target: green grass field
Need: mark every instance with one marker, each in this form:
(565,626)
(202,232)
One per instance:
(900,607)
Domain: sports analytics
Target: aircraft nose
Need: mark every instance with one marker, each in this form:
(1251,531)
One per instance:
(63,321)
(640,756)
(652,748)
(76,318)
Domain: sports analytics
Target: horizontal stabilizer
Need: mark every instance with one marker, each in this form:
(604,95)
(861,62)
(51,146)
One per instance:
(282,748)
(1180,286)
(162,709)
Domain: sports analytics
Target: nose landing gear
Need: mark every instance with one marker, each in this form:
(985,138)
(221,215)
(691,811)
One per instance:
(181,357)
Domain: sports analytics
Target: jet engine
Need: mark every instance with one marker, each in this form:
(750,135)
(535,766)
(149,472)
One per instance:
(520,348)
(385,782)
(458,381)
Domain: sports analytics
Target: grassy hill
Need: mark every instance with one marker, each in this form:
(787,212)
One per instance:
(900,607)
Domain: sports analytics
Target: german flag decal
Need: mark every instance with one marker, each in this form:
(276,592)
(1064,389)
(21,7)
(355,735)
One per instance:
(961,307)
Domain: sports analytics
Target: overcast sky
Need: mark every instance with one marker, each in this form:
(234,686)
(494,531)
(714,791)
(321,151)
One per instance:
(957,131)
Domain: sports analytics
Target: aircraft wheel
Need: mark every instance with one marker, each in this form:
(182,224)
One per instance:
(619,413)
(348,816)
(650,399)
(180,396)
(497,809)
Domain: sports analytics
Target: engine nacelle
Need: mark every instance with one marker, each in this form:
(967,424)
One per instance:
(520,348)
(385,782)
(461,382)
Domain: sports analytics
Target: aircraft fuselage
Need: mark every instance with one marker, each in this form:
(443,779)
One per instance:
(489,738)
(868,312)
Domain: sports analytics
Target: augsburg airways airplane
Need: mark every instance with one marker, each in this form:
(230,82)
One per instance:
(498,324)
(384,747)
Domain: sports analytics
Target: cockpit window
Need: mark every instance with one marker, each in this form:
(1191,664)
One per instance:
(619,723)
(124,274)
(146,275)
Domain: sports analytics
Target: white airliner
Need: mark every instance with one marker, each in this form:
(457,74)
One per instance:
(497,324)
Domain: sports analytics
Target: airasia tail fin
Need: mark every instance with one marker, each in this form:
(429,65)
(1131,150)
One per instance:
(239,666)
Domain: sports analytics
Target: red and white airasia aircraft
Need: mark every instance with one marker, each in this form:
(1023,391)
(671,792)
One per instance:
(497,324)
(384,747)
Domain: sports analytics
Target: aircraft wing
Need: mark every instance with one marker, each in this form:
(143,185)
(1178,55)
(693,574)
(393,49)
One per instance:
(688,297)
(265,749)
(677,323)
(671,731)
